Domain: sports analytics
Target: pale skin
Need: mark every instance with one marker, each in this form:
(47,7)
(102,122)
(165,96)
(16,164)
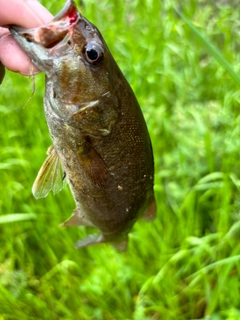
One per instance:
(24,13)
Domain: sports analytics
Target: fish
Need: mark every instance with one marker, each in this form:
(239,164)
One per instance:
(100,142)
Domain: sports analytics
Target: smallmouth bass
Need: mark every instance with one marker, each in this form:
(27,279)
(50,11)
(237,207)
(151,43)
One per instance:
(101,145)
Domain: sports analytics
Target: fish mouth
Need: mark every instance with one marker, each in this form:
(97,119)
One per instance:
(38,42)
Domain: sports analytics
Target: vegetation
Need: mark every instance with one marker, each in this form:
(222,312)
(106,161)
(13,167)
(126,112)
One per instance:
(182,60)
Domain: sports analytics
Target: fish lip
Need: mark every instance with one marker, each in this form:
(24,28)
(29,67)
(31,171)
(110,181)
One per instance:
(67,10)
(60,15)
(68,5)
(38,42)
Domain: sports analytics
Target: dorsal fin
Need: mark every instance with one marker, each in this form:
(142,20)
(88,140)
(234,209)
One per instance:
(150,212)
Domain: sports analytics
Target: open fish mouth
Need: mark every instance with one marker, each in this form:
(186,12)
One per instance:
(36,41)
(52,33)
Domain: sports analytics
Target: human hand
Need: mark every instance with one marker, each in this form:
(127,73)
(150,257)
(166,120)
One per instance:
(24,13)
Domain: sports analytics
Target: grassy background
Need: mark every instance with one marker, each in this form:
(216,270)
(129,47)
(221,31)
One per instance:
(186,264)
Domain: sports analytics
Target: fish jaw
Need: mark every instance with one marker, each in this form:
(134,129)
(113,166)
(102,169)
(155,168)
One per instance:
(45,43)
(61,50)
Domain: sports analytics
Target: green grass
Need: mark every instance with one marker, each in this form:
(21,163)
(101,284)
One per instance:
(182,60)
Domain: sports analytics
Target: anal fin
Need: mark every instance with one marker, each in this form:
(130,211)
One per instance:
(77,219)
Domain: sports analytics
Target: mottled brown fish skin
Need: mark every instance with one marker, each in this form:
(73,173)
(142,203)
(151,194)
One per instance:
(96,125)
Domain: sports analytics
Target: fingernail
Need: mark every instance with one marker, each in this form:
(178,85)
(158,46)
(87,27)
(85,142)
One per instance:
(41,13)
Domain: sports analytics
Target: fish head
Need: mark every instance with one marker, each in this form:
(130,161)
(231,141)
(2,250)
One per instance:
(72,53)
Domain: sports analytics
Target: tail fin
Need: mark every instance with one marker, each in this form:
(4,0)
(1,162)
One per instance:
(89,241)
(93,239)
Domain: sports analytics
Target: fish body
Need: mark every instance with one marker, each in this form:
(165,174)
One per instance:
(99,135)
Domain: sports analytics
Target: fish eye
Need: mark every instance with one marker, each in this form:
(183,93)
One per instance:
(93,53)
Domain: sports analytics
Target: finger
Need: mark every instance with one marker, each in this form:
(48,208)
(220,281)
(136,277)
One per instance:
(13,57)
(28,13)
(25,13)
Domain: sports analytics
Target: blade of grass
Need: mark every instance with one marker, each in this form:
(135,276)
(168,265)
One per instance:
(211,48)
(8,218)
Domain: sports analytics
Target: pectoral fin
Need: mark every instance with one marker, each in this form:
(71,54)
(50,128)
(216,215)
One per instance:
(50,176)
(95,169)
